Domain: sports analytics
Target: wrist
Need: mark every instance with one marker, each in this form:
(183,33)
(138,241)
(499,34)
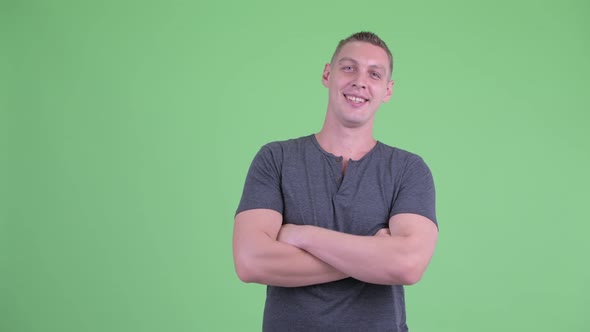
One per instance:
(304,236)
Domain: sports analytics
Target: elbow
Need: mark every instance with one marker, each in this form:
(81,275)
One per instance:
(245,276)
(408,279)
(407,275)
(245,272)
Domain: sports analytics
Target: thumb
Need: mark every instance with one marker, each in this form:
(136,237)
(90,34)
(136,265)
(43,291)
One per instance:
(383,232)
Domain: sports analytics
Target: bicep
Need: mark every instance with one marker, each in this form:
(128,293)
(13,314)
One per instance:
(420,232)
(416,193)
(251,224)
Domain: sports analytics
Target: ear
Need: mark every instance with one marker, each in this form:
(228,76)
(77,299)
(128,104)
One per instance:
(326,75)
(389,91)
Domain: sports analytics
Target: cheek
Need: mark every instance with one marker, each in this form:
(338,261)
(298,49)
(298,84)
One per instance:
(382,89)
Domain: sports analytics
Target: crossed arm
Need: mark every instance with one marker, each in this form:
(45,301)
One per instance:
(267,252)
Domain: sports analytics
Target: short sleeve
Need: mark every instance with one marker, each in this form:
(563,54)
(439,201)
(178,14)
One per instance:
(416,191)
(262,189)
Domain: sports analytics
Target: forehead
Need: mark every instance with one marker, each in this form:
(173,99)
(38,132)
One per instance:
(364,53)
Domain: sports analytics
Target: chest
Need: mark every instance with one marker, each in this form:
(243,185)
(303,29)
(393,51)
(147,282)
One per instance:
(318,193)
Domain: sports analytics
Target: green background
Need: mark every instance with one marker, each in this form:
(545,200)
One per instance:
(126,130)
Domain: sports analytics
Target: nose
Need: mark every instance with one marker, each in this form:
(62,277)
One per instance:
(360,82)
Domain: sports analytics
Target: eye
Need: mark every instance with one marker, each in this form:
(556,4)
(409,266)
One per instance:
(376,75)
(347,68)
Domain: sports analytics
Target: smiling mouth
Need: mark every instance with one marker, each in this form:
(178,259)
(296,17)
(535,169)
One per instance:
(355,100)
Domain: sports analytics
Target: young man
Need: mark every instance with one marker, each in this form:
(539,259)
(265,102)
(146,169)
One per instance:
(336,223)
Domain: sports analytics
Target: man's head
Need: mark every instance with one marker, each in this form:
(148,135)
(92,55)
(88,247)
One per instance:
(367,37)
(358,79)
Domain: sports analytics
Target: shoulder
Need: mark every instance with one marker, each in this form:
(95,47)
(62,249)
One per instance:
(275,152)
(289,143)
(400,157)
(280,148)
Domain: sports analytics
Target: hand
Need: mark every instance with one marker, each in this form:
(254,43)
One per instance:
(383,232)
(289,234)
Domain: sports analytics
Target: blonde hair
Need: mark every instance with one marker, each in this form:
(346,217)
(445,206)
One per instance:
(367,37)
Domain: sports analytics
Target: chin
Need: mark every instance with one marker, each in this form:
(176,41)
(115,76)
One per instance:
(354,123)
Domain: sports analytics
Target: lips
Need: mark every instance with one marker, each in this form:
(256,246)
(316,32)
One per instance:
(357,100)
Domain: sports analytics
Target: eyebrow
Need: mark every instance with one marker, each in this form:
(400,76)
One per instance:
(356,62)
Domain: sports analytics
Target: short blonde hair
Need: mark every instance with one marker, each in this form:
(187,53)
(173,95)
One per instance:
(367,37)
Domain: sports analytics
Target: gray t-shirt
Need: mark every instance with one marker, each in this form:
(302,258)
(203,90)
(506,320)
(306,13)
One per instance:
(305,184)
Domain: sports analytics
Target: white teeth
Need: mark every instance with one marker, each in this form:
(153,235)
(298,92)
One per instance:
(356,99)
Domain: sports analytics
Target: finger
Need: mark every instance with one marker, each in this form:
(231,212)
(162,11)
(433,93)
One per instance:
(383,232)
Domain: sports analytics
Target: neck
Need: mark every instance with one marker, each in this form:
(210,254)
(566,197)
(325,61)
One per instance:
(350,143)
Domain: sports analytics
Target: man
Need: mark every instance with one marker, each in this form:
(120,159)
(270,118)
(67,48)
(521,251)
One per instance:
(336,223)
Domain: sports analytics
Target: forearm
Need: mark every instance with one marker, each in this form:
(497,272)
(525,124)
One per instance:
(279,264)
(260,257)
(374,259)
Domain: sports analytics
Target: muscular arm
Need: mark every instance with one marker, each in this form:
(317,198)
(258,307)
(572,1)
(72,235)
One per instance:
(399,259)
(260,258)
